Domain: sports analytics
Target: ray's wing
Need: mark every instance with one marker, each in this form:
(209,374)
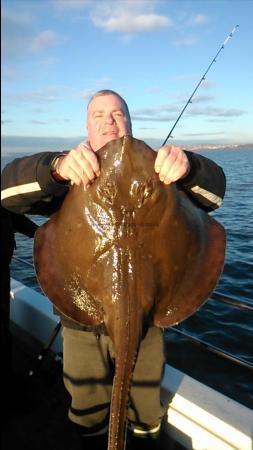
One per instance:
(191,263)
(68,249)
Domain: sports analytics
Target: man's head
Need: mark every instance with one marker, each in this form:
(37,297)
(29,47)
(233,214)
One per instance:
(108,118)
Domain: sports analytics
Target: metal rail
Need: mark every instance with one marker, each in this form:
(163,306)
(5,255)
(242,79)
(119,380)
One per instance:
(231,301)
(214,349)
(23,261)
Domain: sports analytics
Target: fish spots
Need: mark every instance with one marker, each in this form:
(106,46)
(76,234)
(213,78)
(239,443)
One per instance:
(107,191)
(83,300)
(141,191)
(171,310)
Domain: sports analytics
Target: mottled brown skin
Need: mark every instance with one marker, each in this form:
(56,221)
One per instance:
(128,252)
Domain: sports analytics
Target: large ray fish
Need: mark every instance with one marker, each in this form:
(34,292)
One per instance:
(128,252)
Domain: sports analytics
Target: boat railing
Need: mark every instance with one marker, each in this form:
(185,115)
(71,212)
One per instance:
(194,339)
(231,301)
(213,348)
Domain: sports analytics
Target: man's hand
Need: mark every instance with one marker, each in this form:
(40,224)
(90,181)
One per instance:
(80,165)
(171,164)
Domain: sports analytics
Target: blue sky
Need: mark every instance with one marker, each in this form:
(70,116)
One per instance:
(56,53)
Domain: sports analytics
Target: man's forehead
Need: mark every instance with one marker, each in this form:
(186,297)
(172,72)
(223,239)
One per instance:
(105,101)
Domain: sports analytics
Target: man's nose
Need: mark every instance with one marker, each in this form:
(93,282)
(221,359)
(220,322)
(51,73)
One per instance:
(109,118)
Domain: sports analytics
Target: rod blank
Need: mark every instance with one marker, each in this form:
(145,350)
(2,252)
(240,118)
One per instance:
(200,81)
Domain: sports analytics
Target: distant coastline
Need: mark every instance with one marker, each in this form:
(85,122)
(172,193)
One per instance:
(31,144)
(202,147)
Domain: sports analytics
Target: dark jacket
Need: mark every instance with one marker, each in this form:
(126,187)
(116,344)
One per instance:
(10,224)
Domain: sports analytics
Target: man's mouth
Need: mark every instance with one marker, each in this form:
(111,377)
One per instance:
(110,133)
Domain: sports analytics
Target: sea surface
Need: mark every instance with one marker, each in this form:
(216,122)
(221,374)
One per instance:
(216,324)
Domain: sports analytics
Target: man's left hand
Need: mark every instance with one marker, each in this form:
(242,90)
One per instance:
(171,164)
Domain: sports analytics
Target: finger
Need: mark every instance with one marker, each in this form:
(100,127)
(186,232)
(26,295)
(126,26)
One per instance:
(77,162)
(93,162)
(162,154)
(167,166)
(71,169)
(74,178)
(83,167)
(87,154)
(172,176)
(178,170)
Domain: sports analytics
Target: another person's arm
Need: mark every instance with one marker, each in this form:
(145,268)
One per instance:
(24,225)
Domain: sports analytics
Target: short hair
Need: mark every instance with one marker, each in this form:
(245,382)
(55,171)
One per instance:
(110,92)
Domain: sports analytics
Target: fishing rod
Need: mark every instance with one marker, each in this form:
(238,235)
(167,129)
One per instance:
(200,81)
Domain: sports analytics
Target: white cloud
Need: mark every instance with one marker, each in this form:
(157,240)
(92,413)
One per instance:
(198,98)
(200,19)
(44,40)
(216,112)
(87,93)
(124,16)
(165,118)
(20,39)
(71,4)
(41,96)
(37,122)
(40,111)
(128,16)
(52,94)
(204,134)
(162,113)
(185,42)
(128,23)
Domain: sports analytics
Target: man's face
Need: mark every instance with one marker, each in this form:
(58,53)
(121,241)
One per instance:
(106,120)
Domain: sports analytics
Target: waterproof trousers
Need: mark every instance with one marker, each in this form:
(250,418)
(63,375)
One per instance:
(88,366)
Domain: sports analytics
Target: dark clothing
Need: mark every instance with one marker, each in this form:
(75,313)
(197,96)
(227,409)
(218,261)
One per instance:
(10,223)
(7,248)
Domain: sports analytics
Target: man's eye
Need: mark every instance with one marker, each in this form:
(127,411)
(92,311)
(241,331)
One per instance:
(97,116)
(118,114)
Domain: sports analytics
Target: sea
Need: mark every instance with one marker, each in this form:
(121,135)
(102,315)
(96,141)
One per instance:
(192,345)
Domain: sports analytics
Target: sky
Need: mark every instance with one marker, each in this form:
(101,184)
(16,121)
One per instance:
(57,53)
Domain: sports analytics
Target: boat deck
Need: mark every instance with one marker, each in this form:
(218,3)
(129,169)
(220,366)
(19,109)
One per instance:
(37,417)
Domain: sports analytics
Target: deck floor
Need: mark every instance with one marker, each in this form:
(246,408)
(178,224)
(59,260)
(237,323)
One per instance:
(38,405)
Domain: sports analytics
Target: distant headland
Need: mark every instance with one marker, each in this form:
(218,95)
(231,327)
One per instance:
(203,147)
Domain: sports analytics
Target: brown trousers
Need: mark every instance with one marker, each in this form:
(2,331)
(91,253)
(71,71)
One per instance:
(88,365)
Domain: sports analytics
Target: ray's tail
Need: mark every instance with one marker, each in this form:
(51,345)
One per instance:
(127,336)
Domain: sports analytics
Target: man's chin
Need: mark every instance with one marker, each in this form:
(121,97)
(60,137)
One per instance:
(109,138)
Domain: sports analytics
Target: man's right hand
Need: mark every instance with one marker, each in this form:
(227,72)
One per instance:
(79,166)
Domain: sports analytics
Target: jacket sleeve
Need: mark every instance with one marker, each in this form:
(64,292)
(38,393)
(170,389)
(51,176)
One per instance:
(206,182)
(28,186)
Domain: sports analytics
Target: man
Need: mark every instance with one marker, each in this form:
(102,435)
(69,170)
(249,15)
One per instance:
(37,184)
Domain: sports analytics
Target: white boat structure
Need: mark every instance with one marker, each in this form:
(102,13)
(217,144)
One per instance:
(198,417)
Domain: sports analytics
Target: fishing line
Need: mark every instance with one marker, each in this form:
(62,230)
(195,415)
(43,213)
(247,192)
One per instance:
(200,81)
